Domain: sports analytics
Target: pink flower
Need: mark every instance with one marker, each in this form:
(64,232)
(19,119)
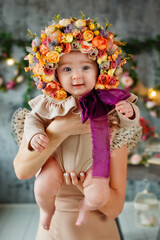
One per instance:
(153,114)
(135,159)
(144,137)
(10,85)
(126,80)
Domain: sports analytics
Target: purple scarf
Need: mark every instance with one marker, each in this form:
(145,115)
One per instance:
(96,105)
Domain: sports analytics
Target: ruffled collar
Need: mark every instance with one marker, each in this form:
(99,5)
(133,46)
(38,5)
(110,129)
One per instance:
(50,108)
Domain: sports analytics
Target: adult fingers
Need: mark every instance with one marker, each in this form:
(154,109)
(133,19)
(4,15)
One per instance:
(67,178)
(82,177)
(74,178)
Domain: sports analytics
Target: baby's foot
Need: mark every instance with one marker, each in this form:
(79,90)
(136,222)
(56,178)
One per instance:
(83,215)
(45,219)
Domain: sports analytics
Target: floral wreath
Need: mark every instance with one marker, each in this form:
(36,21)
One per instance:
(66,35)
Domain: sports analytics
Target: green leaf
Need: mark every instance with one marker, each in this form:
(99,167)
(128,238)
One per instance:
(107,23)
(30,34)
(95,20)
(83,15)
(57,18)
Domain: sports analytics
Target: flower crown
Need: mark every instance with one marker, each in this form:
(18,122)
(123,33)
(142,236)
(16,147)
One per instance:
(65,35)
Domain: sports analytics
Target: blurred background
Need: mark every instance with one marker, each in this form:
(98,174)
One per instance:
(137,22)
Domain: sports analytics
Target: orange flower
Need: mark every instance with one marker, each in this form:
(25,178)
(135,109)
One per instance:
(43,49)
(61,94)
(86,47)
(66,47)
(52,88)
(88,35)
(52,57)
(104,79)
(99,42)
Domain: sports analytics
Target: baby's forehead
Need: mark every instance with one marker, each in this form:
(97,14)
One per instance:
(75,57)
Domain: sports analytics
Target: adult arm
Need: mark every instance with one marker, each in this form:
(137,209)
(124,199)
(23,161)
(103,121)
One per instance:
(118,179)
(27,163)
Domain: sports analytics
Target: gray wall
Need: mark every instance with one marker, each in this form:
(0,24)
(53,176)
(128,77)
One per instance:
(131,18)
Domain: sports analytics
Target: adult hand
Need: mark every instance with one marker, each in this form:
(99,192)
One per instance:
(72,178)
(70,124)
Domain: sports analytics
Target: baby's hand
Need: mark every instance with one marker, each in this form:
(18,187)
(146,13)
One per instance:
(39,142)
(125,108)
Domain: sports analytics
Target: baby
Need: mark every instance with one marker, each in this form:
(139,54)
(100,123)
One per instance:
(64,65)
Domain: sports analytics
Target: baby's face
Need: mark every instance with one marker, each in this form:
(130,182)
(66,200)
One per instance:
(77,73)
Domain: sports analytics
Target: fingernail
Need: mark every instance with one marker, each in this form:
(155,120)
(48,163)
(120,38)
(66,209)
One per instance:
(72,174)
(66,174)
(81,174)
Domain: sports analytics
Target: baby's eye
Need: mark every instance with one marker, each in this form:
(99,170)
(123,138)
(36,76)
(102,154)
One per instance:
(67,69)
(85,68)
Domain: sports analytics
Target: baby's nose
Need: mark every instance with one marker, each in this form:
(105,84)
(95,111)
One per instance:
(76,75)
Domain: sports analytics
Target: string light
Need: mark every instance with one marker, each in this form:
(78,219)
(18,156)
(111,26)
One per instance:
(152,93)
(10,61)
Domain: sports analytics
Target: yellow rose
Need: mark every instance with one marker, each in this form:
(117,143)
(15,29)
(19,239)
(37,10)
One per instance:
(41,60)
(34,49)
(67,38)
(47,78)
(88,35)
(96,33)
(91,26)
(80,23)
(52,57)
(111,72)
(38,55)
(43,35)
(99,86)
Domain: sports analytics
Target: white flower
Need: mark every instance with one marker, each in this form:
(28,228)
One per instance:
(118,72)
(127,81)
(150,104)
(20,79)
(80,23)
(36,42)
(153,114)
(64,22)
(135,159)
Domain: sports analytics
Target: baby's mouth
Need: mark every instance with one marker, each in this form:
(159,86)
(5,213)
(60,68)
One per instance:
(78,85)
